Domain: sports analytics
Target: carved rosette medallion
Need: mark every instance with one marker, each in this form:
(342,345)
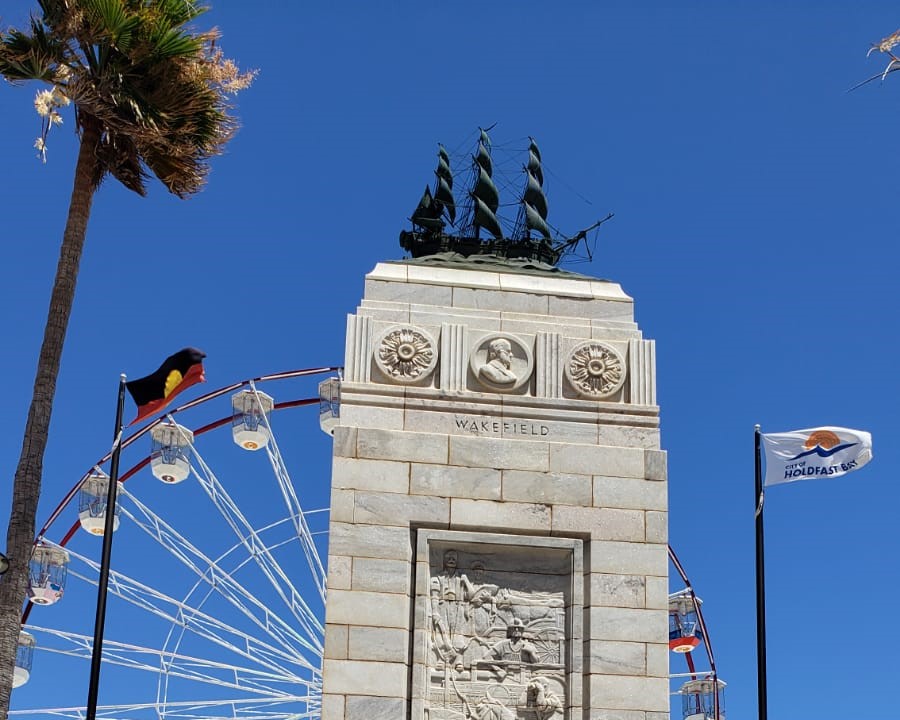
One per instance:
(595,370)
(406,354)
(501,362)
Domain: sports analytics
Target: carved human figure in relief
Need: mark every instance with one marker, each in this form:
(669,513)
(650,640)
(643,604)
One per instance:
(490,708)
(542,699)
(497,369)
(450,593)
(515,648)
(482,607)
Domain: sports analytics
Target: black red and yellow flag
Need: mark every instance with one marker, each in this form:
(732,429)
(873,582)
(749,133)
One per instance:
(178,372)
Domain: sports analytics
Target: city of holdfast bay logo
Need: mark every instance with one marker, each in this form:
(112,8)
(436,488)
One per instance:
(825,444)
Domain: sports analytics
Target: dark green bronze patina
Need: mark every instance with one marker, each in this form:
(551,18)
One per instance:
(480,261)
(531,244)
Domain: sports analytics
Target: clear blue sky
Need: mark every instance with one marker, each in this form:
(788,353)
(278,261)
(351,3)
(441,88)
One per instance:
(756,212)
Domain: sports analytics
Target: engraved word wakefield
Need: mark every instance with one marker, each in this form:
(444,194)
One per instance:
(495,426)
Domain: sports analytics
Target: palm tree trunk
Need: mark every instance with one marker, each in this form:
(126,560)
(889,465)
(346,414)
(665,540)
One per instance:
(27,483)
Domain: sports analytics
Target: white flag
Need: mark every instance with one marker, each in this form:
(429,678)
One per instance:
(815,453)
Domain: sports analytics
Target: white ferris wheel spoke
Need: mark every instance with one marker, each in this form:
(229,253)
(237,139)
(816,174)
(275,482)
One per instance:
(222,581)
(193,619)
(293,505)
(256,548)
(200,670)
(253,707)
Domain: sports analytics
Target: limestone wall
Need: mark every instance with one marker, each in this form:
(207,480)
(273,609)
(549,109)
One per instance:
(510,421)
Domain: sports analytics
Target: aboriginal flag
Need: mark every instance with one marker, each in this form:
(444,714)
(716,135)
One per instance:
(178,372)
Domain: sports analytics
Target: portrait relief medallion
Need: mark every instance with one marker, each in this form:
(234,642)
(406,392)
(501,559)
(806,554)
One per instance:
(595,370)
(406,354)
(501,362)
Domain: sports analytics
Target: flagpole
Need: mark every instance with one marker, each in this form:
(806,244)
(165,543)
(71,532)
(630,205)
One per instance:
(103,584)
(758,498)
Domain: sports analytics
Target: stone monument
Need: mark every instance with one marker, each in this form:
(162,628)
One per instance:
(498,509)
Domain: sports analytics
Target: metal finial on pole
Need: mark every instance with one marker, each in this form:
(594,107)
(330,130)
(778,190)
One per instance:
(103,584)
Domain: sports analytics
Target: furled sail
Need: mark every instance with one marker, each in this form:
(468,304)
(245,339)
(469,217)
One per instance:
(533,198)
(483,159)
(443,168)
(534,161)
(443,191)
(485,194)
(486,191)
(534,194)
(534,221)
(486,219)
(427,214)
(443,194)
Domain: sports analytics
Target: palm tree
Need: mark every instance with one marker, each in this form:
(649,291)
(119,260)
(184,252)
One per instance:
(150,96)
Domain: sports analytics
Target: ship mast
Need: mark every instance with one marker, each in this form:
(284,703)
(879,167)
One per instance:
(432,208)
(443,191)
(484,194)
(534,201)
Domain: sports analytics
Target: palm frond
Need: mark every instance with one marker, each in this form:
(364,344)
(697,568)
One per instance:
(180,12)
(157,89)
(172,42)
(118,155)
(28,57)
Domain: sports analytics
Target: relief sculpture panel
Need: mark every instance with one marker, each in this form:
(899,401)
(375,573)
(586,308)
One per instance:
(498,628)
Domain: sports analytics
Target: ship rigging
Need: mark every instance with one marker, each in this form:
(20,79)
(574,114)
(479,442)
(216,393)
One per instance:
(473,227)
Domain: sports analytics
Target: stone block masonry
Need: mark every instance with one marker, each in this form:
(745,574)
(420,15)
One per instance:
(499,511)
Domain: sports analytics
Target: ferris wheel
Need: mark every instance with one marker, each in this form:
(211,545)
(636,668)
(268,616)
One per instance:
(699,686)
(217,587)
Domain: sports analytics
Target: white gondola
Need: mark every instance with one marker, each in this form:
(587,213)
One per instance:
(329,404)
(702,698)
(47,574)
(684,625)
(250,412)
(170,454)
(92,504)
(24,658)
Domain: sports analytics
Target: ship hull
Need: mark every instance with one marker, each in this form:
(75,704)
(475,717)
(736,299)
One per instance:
(420,244)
